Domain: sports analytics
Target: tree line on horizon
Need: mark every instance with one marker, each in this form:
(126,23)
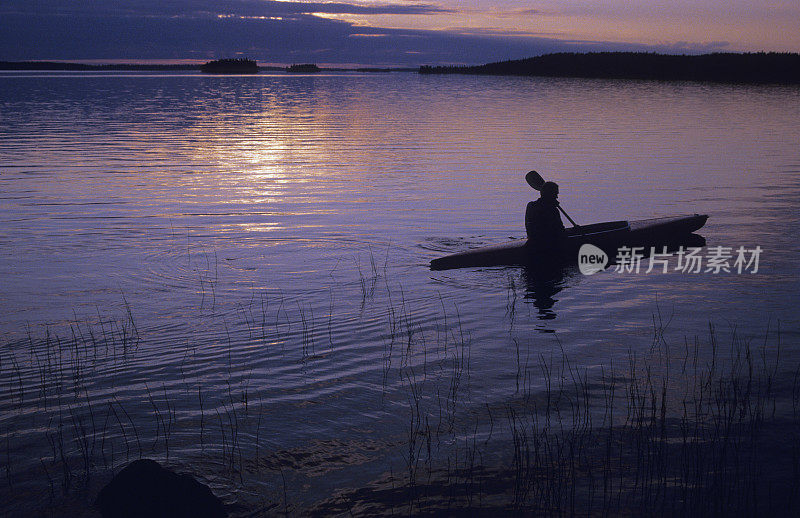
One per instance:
(762,67)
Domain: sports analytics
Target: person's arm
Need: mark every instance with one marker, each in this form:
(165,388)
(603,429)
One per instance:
(558,223)
(530,219)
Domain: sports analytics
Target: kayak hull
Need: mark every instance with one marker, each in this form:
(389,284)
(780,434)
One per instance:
(608,236)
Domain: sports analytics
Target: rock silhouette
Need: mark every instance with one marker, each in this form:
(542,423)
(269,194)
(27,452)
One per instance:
(146,489)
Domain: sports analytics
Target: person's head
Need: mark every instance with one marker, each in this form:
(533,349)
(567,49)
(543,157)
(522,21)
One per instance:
(549,190)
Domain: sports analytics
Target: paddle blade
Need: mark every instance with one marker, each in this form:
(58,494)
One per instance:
(535,180)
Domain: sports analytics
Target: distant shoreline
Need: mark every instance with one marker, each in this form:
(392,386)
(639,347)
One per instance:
(783,68)
(82,67)
(754,68)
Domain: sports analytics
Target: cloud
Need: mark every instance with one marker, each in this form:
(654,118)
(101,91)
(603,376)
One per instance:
(206,8)
(686,47)
(499,32)
(271,32)
(517,13)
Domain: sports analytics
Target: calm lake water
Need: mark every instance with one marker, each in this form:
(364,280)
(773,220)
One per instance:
(230,274)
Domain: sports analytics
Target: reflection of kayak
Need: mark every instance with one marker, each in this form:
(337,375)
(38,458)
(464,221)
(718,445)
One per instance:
(607,236)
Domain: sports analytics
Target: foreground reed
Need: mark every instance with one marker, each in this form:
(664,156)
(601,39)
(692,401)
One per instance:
(674,432)
(700,428)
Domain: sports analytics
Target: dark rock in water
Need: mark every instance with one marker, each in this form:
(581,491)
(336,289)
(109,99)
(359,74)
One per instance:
(145,489)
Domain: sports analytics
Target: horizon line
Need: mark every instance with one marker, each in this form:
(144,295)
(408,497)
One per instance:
(165,62)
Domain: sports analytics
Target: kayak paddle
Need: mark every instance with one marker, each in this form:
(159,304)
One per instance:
(536,181)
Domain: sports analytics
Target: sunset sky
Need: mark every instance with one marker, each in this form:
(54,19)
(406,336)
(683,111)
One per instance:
(385,33)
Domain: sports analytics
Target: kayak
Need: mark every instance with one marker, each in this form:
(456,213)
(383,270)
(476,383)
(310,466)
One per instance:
(607,236)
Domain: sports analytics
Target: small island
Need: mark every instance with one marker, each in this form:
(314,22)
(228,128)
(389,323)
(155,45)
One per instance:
(305,68)
(230,66)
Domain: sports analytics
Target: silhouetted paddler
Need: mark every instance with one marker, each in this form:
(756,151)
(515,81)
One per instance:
(542,220)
